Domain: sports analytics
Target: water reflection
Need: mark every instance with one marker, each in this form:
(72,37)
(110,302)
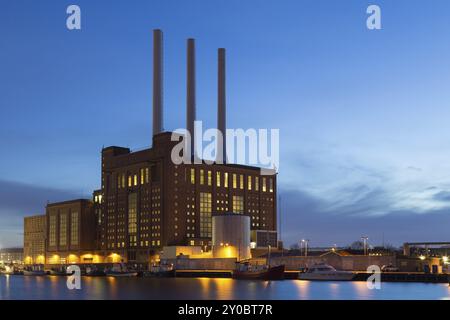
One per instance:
(303,288)
(20,287)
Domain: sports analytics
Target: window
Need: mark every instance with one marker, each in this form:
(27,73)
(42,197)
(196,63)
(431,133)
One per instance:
(74,228)
(218,178)
(271,185)
(130,181)
(202,177)
(205,214)
(256,183)
(249,183)
(132,218)
(52,231)
(234,181)
(135,182)
(147,175)
(123,180)
(63,230)
(209,178)
(142,176)
(241,182)
(192,176)
(238,204)
(264,185)
(225,180)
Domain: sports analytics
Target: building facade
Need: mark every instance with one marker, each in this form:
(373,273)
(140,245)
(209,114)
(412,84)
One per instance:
(149,202)
(11,255)
(34,239)
(71,232)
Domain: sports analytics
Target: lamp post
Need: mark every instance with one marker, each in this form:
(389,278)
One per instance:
(364,239)
(306,247)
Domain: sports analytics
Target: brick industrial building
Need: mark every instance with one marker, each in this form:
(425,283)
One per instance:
(146,201)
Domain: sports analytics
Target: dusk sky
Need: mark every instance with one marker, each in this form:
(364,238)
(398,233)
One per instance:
(363,114)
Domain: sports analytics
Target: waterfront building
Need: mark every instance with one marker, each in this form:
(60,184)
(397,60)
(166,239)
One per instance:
(34,239)
(70,232)
(11,255)
(149,202)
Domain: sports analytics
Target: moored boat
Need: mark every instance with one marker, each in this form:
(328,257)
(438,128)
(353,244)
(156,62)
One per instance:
(11,270)
(58,271)
(160,270)
(36,270)
(120,270)
(94,272)
(325,272)
(34,273)
(264,272)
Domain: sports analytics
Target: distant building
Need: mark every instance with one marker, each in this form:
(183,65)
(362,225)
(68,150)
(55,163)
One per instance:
(70,234)
(34,239)
(11,255)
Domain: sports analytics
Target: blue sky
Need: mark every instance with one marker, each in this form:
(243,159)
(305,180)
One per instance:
(362,114)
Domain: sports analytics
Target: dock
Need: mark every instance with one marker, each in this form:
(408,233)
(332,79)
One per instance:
(359,275)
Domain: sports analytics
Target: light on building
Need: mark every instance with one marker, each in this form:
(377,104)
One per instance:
(445,259)
(252,245)
(422,258)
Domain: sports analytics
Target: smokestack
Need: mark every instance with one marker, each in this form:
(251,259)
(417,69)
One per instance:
(221,112)
(190,103)
(157,81)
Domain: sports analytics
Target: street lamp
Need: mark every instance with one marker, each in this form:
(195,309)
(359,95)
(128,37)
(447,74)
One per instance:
(364,239)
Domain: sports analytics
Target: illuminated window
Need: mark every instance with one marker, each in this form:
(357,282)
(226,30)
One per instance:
(63,230)
(142,176)
(74,228)
(271,185)
(234,181)
(52,231)
(264,184)
(205,214)
(209,178)
(135,182)
(202,177)
(249,183)
(225,180)
(192,176)
(147,175)
(123,180)
(238,204)
(218,178)
(130,181)
(132,218)
(241,182)
(256,183)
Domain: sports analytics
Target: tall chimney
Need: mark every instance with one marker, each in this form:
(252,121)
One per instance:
(190,103)
(221,112)
(157,81)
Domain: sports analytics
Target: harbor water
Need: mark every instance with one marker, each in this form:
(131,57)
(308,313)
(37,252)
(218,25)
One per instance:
(54,287)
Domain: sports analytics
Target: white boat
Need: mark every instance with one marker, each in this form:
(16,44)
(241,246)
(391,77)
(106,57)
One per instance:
(325,272)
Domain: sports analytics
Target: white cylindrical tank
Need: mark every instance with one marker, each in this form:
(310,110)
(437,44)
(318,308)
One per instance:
(231,236)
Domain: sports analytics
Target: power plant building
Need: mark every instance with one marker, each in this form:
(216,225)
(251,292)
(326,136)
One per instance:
(149,202)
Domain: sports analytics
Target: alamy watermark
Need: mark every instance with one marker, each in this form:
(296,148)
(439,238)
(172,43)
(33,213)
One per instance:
(250,147)
(374,280)
(74,277)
